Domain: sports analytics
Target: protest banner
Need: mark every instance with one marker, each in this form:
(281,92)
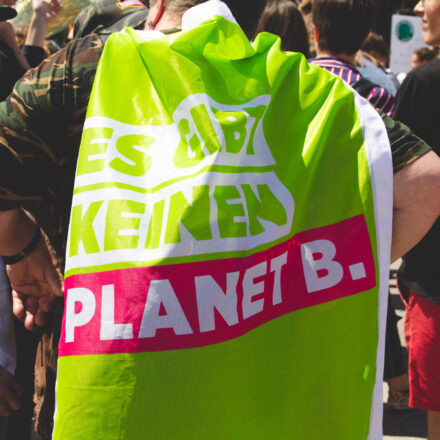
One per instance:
(228,252)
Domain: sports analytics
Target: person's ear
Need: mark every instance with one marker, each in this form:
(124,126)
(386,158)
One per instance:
(156,13)
(315,34)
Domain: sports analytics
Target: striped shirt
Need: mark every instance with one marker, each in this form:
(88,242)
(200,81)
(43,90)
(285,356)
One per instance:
(378,96)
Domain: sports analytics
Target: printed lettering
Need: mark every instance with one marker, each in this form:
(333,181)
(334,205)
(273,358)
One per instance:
(203,133)
(256,114)
(94,143)
(276,264)
(186,305)
(75,319)
(121,216)
(162,293)
(234,129)
(155,226)
(191,214)
(266,207)
(318,256)
(81,227)
(198,138)
(228,211)
(109,330)
(251,289)
(134,161)
(195,218)
(210,297)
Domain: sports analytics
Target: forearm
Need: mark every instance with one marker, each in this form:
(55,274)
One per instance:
(16,231)
(37,30)
(8,35)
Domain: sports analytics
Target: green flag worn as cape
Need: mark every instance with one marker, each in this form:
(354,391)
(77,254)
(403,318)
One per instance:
(228,248)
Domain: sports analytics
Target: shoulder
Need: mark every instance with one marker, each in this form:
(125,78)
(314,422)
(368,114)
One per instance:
(427,70)
(71,68)
(406,147)
(423,75)
(421,84)
(81,51)
(376,75)
(382,99)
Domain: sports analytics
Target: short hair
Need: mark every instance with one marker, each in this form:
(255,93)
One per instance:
(246,12)
(425,54)
(180,6)
(283,18)
(343,25)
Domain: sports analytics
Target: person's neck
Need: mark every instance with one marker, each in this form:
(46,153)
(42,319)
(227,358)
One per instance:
(166,22)
(343,56)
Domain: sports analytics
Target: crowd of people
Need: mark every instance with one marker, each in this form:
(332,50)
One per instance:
(61,115)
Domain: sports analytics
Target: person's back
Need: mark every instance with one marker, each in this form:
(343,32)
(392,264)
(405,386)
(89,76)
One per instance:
(204,297)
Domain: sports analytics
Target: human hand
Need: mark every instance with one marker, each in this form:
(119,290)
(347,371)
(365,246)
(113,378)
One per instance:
(47,10)
(10,392)
(36,281)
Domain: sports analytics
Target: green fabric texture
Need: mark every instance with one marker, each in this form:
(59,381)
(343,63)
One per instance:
(306,375)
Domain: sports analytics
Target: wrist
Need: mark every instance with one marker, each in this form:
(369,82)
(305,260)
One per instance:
(37,28)
(27,250)
(38,15)
(16,231)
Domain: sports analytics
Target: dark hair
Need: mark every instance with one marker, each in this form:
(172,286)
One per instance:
(247,13)
(375,45)
(425,54)
(283,18)
(343,24)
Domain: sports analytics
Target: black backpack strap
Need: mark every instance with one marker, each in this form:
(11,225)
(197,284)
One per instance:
(364,87)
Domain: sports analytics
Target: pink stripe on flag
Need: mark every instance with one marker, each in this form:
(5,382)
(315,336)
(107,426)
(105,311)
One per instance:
(196,304)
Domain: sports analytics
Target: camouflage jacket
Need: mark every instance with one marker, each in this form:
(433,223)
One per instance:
(42,120)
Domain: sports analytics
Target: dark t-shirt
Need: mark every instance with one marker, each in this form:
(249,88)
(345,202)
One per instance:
(418,106)
(10,70)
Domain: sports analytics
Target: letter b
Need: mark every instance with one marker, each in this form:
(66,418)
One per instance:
(312,266)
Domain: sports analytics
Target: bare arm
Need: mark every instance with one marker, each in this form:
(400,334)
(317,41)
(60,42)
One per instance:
(36,279)
(8,35)
(416,202)
(44,11)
